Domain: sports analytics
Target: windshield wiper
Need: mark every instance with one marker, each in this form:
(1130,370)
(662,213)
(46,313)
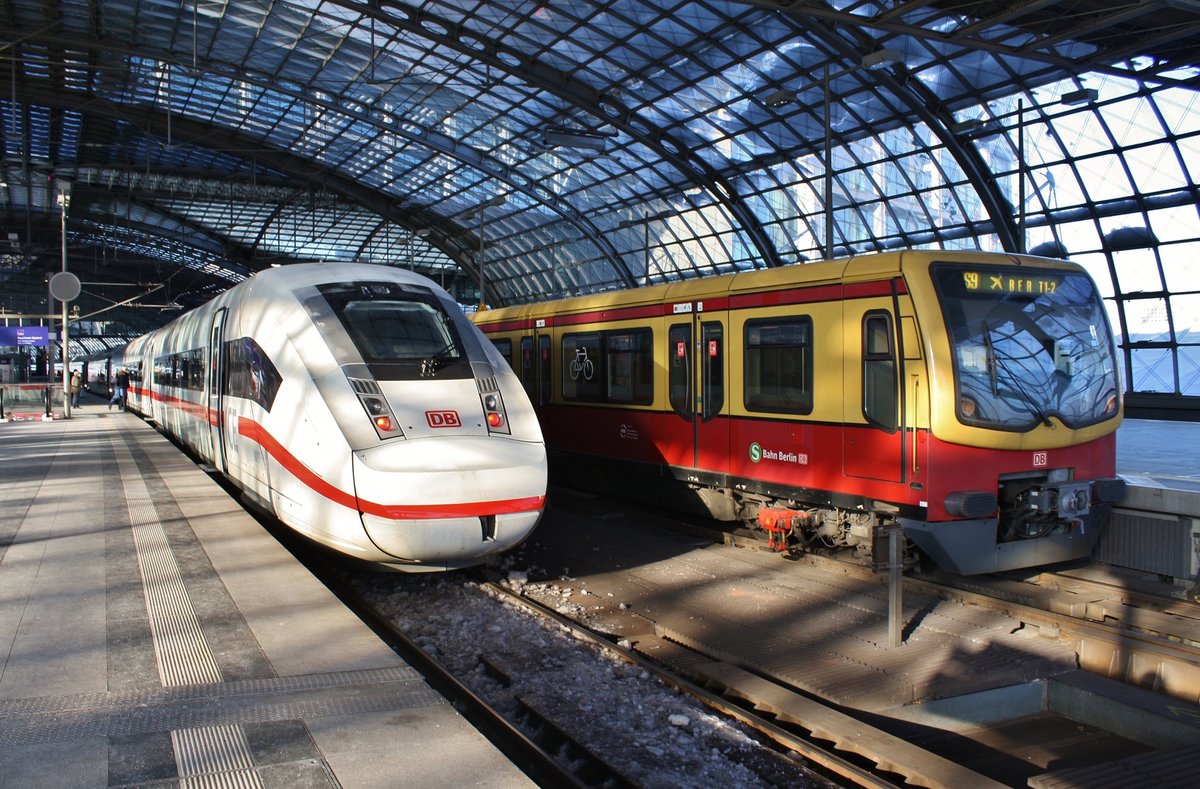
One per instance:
(431,364)
(991,358)
(995,366)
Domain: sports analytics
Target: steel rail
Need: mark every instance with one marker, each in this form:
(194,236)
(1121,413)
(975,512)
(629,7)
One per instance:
(1167,663)
(524,752)
(771,697)
(1116,651)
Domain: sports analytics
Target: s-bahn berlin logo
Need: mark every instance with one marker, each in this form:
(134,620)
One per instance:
(757,453)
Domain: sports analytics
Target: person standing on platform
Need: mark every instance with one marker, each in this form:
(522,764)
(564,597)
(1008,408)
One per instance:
(76,386)
(119,389)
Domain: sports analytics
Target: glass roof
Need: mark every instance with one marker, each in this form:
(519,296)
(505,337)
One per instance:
(574,147)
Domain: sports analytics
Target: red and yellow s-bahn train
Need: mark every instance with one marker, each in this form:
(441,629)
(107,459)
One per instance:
(970,398)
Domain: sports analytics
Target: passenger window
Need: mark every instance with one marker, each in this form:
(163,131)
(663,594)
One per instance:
(629,366)
(609,367)
(879,371)
(505,349)
(250,374)
(778,365)
(193,376)
(183,370)
(580,358)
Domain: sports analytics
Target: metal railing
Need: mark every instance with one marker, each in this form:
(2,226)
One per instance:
(18,400)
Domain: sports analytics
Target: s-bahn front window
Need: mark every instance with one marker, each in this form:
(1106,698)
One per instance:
(1027,344)
(402,332)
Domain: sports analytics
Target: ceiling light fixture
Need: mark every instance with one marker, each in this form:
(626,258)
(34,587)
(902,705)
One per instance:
(882,58)
(581,139)
(1081,96)
(779,99)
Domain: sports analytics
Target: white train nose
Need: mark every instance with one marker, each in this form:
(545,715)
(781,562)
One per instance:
(465,497)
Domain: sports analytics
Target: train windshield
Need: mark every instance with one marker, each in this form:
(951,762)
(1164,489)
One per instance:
(401,331)
(1027,344)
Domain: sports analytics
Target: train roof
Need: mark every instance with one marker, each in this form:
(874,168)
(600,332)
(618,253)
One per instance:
(852,269)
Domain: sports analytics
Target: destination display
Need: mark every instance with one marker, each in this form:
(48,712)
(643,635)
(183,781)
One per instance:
(1004,282)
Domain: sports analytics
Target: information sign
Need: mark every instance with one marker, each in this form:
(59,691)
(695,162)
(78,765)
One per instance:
(24,336)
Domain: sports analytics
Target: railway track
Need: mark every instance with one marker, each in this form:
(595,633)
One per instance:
(827,747)
(1101,594)
(539,751)
(794,721)
(571,730)
(1146,640)
(534,682)
(1135,636)
(1141,640)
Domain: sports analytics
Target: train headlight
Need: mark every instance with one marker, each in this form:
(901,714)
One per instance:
(493,406)
(381,416)
(1110,403)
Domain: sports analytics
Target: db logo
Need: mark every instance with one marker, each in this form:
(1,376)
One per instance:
(1040,459)
(443,419)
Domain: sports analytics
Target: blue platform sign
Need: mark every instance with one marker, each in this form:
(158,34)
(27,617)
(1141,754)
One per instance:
(22,336)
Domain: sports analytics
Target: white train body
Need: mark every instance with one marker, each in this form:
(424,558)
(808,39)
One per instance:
(358,405)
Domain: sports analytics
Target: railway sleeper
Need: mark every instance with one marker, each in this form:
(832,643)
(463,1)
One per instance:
(889,753)
(590,769)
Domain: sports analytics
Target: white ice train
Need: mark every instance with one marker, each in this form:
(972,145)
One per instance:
(359,406)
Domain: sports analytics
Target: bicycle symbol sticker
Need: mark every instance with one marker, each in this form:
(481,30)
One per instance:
(582,364)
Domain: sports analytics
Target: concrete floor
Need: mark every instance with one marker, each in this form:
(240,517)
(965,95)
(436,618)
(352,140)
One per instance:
(1155,448)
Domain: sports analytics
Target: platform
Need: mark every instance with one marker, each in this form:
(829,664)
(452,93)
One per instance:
(153,633)
(1161,454)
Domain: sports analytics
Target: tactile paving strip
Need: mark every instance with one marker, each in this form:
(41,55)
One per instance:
(63,718)
(214,751)
(184,657)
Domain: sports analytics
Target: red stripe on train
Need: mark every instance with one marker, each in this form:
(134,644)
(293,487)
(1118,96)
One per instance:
(802,295)
(257,433)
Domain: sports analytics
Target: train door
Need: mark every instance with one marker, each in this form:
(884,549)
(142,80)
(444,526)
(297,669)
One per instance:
(914,394)
(535,366)
(527,367)
(542,365)
(697,393)
(872,433)
(538,363)
(216,388)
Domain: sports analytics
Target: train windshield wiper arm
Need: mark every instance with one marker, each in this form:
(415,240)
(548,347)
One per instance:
(996,366)
(431,364)
(991,358)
